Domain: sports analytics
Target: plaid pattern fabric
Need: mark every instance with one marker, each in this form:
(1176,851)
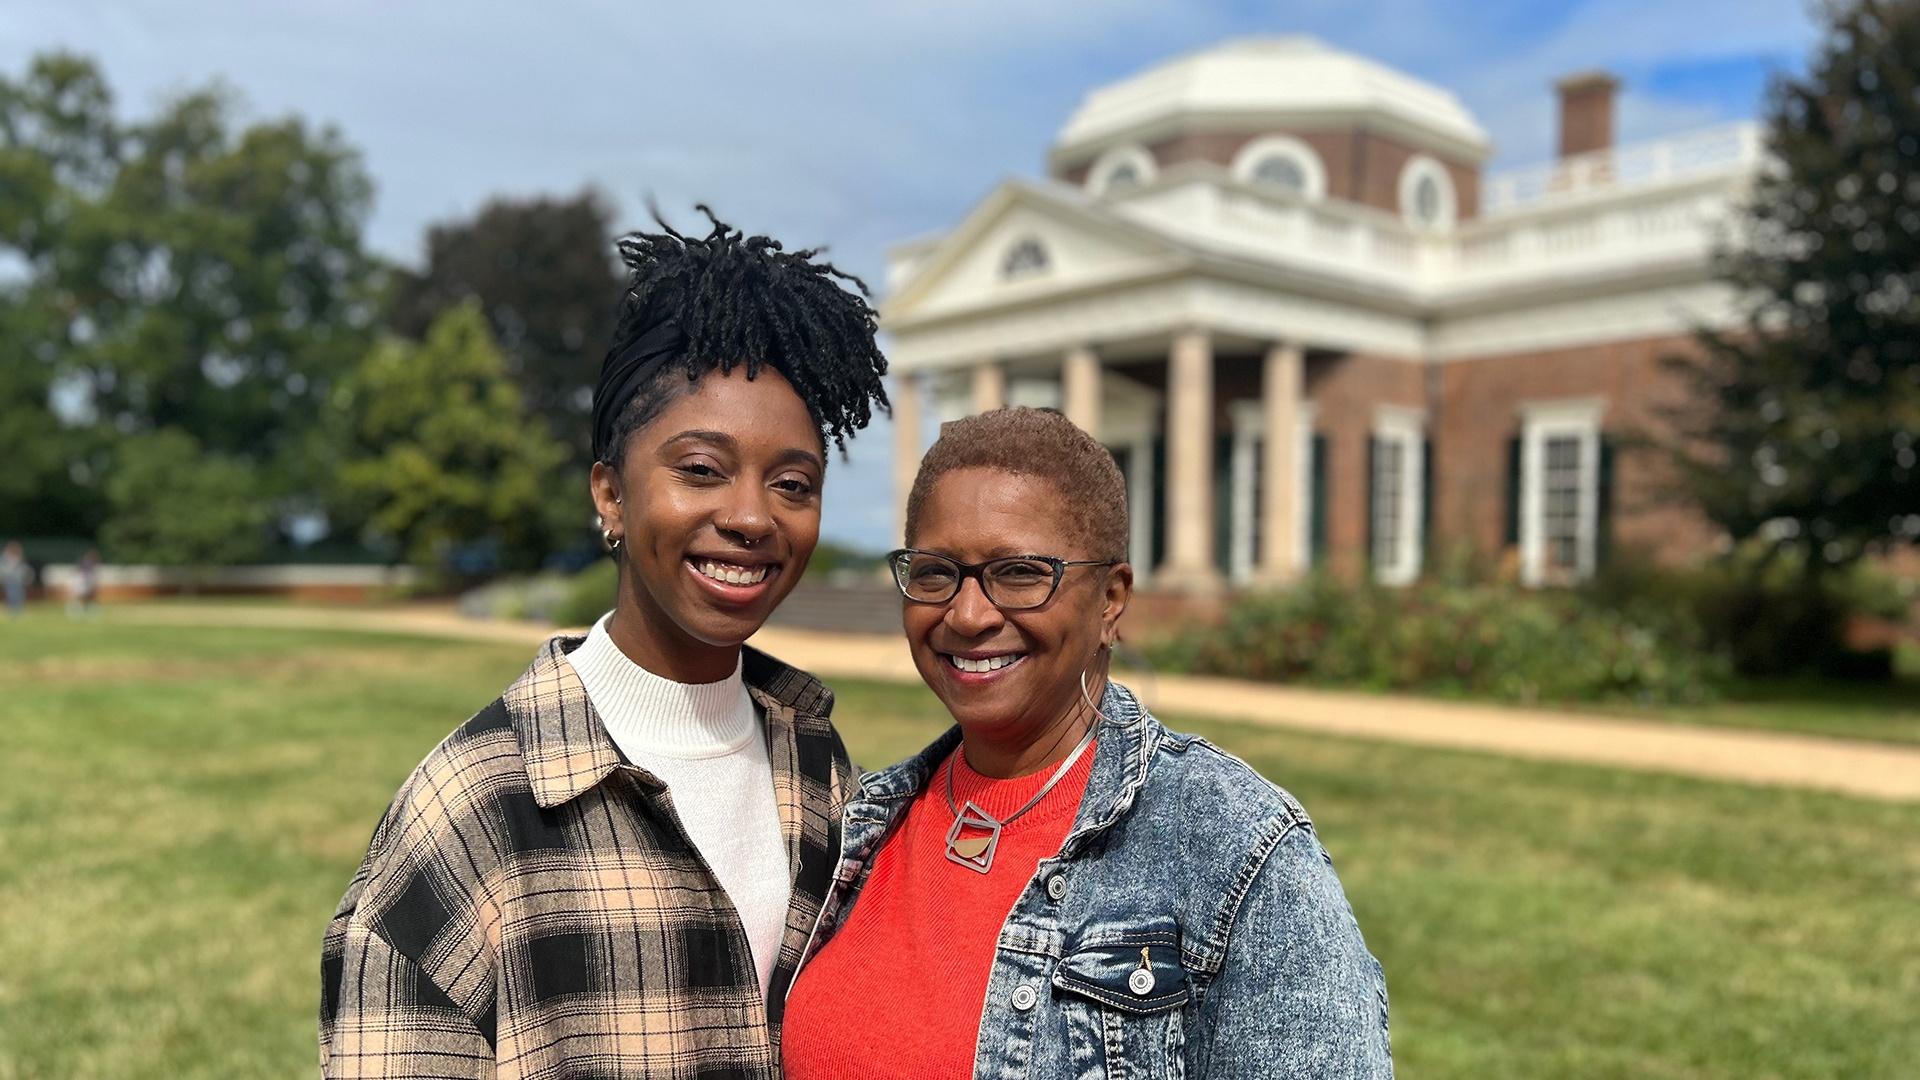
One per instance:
(530,906)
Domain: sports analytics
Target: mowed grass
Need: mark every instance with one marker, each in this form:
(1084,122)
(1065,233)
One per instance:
(1881,712)
(182,808)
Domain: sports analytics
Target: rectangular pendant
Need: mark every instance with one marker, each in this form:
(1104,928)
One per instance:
(974,852)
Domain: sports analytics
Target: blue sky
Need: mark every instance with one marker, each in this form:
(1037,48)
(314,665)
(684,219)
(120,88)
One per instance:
(850,124)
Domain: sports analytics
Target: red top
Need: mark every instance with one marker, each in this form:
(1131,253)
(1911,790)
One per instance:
(899,989)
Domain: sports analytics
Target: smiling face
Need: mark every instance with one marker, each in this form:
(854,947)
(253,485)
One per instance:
(717,504)
(1008,674)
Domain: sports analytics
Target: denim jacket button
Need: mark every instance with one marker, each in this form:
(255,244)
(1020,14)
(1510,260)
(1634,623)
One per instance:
(1056,887)
(1140,982)
(1024,998)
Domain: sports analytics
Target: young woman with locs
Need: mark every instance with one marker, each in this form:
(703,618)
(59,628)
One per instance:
(612,870)
(1059,887)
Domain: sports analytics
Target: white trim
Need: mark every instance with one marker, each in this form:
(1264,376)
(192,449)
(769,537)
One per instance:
(65,577)
(1249,429)
(1420,167)
(1115,157)
(1313,172)
(1579,419)
(1407,428)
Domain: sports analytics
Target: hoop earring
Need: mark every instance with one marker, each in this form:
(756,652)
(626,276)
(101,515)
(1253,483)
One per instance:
(613,542)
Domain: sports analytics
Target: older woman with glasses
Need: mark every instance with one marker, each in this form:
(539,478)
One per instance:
(1060,886)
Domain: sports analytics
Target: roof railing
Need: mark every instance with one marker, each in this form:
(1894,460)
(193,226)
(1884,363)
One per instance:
(1724,148)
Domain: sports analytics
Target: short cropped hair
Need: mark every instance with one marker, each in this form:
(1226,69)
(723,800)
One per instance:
(1039,443)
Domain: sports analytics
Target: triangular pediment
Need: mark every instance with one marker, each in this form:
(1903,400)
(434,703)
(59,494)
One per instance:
(1080,246)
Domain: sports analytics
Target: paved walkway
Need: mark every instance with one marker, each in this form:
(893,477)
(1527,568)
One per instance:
(1856,768)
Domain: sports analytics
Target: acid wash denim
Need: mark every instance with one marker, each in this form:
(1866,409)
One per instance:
(1182,862)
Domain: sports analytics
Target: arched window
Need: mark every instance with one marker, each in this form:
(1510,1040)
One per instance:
(1282,172)
(1025,257)
(1427,198)
(1282,163)
(1120,168)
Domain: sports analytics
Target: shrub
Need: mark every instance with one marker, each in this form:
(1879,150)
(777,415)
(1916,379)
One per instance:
(1471,640)
(1767,617)
(589,595)
(538,597)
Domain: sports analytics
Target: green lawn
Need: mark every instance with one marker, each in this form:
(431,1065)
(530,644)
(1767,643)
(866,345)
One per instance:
(182,808)
(1883,712)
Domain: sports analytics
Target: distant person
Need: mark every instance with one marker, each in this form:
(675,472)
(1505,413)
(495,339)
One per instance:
(612,870)
(15,576)
(86,586)
(1059,886)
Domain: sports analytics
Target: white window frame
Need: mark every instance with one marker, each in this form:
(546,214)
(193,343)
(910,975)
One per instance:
(1408,428)
(1540,422)
(1247,162)
(1420,167)
(1249,428)
(1113,158)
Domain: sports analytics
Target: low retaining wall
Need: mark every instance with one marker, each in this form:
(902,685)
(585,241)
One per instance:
(342,583)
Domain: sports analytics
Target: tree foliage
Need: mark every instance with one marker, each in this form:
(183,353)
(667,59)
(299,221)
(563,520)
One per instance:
(440,453)
(182,275)
(175,504)
(542,271)
(1810,442)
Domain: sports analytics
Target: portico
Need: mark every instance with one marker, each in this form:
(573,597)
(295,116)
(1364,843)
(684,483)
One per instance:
(1194,457)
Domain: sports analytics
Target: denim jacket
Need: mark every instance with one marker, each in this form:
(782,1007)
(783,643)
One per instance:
(1191,925)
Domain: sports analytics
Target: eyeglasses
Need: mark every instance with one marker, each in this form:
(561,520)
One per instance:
(1013,583)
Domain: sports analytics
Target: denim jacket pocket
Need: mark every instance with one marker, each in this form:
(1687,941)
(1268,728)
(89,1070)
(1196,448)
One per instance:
(1123,999)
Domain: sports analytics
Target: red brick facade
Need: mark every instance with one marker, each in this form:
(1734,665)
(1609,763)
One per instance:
(1479,411)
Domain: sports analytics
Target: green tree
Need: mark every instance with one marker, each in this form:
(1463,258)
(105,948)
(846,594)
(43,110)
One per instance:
(542,271)
(441,453)
(1808,446)
(176,505)
(182,272)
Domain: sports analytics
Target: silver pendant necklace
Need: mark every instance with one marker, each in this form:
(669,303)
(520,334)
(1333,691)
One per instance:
(976,852)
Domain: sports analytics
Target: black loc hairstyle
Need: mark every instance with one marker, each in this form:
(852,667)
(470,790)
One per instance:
(726,300)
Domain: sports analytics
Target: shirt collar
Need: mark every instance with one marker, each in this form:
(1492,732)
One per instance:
(565,745)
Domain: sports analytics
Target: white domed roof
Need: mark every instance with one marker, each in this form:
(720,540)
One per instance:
(1270,77)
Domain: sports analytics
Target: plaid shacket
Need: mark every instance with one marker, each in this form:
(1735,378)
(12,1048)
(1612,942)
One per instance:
(531,907)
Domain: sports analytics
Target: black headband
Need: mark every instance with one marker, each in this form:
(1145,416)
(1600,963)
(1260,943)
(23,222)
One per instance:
(627,366)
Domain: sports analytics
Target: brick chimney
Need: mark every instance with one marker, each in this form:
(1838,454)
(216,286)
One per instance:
(1586,112)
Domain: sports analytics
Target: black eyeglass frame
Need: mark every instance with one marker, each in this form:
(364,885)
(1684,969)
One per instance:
(977,571)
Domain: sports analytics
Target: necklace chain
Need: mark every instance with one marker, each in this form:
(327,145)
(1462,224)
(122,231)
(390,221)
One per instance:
(1066,766)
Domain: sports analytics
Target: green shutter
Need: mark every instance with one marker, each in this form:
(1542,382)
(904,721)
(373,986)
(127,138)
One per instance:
(1513,490)
(1603,514)
(1318,523)
(1426,505)
(1373,459)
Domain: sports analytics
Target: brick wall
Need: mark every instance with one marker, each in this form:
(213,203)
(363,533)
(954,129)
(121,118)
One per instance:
(1478,411)
(1346,392)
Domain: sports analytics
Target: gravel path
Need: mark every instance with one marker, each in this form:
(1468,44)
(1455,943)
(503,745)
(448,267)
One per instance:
(1872,770)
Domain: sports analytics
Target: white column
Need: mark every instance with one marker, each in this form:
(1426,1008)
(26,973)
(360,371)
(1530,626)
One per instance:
(907,390)
(1080,389)
(1280,493)
(1189,563)
(989,386)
